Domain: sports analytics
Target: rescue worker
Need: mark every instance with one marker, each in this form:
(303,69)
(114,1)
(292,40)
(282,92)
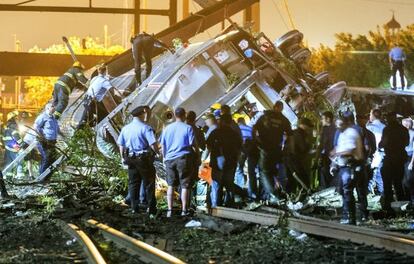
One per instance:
(224,147)
(12,141)
(326,144)
(142,46)
(3,190)
(99,86)
(347,153)
(408,173)
(137,145)
(395,138)
(364,171)
(72,78)
(178,143)
(47,127)
(201,143)
(300,144)
(249,154)
(268,132)
(376,126)
(397,58)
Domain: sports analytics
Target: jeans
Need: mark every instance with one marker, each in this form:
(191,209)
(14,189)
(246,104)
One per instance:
(409,181)
(377,181)
(141,171)
(268,160)
(392,176)
(224,178)
(346,177)
(47,153)
(240,178)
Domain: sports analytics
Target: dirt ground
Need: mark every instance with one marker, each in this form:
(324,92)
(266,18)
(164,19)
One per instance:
(29,236)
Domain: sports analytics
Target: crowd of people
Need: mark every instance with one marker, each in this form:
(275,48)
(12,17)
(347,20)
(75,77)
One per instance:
(366,154)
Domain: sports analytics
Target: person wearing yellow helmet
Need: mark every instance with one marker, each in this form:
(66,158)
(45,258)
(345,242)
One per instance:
(11,140)
(72,78)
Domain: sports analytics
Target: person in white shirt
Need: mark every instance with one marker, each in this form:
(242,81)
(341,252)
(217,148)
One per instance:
(347,153)
(99,86)
(376,127)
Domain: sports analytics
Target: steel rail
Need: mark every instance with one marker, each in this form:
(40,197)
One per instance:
(146,253)
(381,239)
(92,253)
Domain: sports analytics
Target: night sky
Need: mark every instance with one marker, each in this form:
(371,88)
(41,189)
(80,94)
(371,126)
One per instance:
(319,20)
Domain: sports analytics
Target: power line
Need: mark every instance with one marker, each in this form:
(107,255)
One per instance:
(289,14)
(280,14)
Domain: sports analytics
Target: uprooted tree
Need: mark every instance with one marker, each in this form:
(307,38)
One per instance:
(362,60)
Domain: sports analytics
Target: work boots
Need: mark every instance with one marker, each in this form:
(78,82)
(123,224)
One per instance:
(3,191)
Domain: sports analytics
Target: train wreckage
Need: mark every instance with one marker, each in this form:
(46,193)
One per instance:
(236,68)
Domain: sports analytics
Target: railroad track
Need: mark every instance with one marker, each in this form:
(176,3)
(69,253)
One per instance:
(361,235)
(143,251)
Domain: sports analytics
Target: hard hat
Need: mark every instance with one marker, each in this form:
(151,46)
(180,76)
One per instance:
(78,64)
(12,114)
(216,106)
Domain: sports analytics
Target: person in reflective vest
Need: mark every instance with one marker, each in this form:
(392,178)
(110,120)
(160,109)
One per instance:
(64,86)
(12,142)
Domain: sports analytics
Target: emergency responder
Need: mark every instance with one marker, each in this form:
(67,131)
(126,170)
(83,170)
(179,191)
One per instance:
(249,154)
(72,78)
(395,138)
(99,86)
(364,171)
(178,143)
(376,126)
(138,147)
(201,143)
(297,154)
(347,153)
(11,140)
(269,131)
(3,191)
(326,144)
(142,46)
(47,128)
(397,58)
(224,146)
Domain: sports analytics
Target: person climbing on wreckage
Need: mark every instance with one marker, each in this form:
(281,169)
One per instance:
(143,46)
(72,78)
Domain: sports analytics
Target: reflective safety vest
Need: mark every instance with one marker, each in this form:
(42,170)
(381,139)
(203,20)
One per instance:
(70,78)
(11,138)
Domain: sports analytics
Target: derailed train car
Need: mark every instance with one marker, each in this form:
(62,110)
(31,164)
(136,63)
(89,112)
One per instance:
(234,68)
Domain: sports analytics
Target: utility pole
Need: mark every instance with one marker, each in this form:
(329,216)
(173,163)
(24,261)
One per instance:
(18,82)
(106,36)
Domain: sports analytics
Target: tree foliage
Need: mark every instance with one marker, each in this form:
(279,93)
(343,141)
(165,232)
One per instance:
(39,89)
(362,60)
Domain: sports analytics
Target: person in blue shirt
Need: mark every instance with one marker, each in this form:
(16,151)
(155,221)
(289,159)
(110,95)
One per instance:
(397,59)
(47,128)
(178,144)
(249,154)
(137,145)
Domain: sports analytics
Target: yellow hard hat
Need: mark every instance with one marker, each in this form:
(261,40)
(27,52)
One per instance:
(78,64)
(216,106)
(12,114)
